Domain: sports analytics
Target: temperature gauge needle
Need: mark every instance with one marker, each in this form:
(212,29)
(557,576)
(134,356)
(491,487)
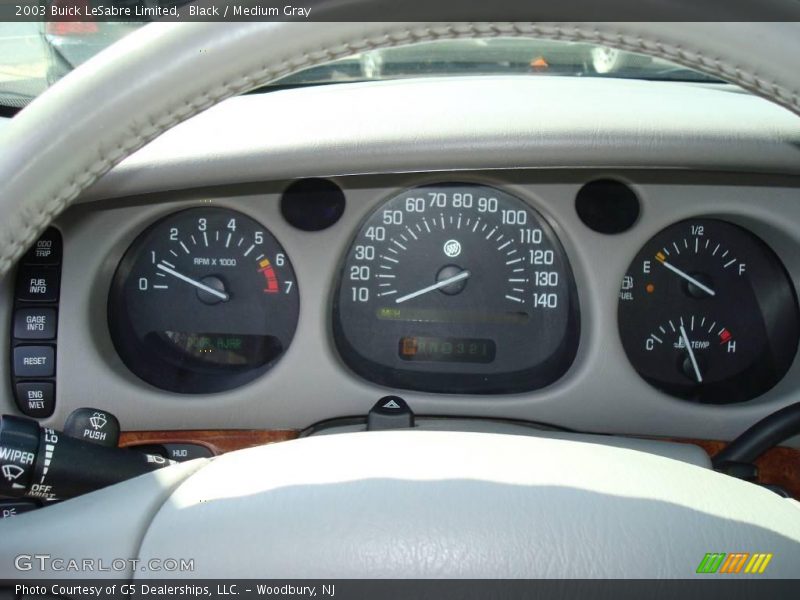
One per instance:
(686,276)
(692,358)
(201,286)
(435,286)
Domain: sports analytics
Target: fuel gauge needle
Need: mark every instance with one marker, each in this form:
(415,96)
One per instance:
(692,358)
(686,276)
(195,283)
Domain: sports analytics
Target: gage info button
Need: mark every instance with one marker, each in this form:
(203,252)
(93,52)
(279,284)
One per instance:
(35,323)
(34,361)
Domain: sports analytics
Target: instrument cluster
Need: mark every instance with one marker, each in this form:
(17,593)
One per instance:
(460,288)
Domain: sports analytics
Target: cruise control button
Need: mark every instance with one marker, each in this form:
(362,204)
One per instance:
(46,250)
(35,323)
(36,399)
(38,284)
(93,425)
(12,508)
(34,361)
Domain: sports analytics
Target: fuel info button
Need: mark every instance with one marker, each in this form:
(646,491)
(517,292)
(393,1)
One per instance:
(38,284)
(35,324)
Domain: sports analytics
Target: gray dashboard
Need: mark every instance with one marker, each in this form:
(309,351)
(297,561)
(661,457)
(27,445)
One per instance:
(687,150)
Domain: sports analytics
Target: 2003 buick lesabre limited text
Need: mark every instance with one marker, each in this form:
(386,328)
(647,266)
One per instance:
(46,562)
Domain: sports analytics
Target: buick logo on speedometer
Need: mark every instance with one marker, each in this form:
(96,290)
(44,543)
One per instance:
(452,248)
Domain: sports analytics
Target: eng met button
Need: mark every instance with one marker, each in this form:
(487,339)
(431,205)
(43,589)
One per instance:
(36,399)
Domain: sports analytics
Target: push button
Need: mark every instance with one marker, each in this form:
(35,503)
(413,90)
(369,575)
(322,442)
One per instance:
(38,284)
(35,323)
(46,250)
(34,361)
(36,399)
(93,425)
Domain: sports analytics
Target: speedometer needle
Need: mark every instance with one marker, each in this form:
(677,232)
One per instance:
(435,286)
(201,286)
(687,277)
(688,345)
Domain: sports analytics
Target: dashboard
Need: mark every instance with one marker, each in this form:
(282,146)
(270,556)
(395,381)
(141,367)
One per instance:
(504,293)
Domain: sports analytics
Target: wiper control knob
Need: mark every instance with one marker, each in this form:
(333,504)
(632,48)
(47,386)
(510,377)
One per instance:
(39,462)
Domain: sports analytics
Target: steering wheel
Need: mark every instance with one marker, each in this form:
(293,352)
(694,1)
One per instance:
(379,504)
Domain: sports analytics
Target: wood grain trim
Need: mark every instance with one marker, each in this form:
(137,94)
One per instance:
(218,441)
(779,466)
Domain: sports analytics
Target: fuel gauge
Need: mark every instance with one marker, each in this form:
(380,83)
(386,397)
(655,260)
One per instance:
(707,312)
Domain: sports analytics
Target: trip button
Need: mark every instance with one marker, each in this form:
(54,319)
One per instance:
(36,399)
(38,284)
(34,361)
(46,250)
(35,323)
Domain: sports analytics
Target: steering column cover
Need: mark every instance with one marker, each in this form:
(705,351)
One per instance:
(425,504)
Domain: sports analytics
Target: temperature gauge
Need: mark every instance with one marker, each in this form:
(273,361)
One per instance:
(708,313)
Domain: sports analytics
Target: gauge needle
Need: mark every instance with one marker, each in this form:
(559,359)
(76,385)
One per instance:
(688,345)
(197,284)
(687,277)
(435,286)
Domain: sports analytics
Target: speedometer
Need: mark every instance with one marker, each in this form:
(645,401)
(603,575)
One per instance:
(457,288)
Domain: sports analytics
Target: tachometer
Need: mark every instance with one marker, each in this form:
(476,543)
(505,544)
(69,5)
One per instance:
(204,300)
(457,288)
(708,313)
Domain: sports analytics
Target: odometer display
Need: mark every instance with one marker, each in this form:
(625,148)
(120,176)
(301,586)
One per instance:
(456,288)
(467,350)
(204,300)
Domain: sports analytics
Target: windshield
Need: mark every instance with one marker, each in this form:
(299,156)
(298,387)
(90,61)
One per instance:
(33,56)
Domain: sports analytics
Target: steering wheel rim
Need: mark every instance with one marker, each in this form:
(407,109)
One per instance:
(135,96)
(143,97)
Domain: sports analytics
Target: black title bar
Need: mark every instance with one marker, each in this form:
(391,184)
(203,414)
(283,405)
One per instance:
(400,10)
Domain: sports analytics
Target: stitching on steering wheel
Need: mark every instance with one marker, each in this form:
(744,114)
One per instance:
(158,124)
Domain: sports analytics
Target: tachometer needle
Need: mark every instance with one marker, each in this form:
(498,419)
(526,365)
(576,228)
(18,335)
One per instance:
(688,345)
(687,277)
(201,286)
(435,286)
